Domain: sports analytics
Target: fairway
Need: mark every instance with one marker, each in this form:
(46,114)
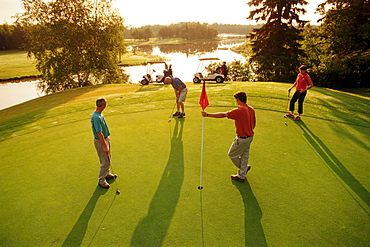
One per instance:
(309,183)
(16,64)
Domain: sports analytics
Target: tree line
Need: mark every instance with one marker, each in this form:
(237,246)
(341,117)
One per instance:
(12,37)
(187,30)
(176,30)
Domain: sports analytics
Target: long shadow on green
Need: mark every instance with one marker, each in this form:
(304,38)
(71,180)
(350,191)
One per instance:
(348,108)
(254,234)
(334,163)
(152,229)
(76,235)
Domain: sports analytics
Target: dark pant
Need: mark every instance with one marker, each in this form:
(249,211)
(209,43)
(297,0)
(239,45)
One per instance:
(300,97)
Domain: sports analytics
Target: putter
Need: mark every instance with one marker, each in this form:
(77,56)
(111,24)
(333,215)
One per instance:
(287,103)
(170,117)
(110,163)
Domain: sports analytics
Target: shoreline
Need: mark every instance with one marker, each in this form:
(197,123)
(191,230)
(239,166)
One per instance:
(20,79)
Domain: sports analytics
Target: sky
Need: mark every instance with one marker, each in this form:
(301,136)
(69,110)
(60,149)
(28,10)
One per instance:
(164,12)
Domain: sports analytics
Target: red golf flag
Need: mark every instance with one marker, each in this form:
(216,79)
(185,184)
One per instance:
(203,101)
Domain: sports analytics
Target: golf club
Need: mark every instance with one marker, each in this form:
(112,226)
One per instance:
(170,117)
(287,103)
(111,168)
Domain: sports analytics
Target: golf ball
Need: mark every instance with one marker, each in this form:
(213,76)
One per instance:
(285,123)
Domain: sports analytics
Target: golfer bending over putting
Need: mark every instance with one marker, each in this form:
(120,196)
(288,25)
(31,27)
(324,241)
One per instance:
(102,142)
(180,91)
(245,121)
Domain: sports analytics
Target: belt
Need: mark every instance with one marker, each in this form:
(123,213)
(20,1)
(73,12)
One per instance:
(104,138)
(244,137)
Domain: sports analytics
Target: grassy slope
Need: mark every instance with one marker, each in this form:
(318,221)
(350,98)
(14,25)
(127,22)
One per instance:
(308,186)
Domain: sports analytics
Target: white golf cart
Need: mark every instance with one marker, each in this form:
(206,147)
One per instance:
(151,71)
(203,74)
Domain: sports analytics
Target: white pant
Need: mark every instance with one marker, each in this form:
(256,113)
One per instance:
(239,154)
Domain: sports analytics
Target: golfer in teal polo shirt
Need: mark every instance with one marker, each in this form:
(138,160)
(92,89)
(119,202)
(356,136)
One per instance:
(102,142)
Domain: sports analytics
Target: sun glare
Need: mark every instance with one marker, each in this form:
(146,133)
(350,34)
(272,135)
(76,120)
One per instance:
(164,12)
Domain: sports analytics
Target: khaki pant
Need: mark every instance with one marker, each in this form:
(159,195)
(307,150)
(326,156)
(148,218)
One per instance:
(104,161)
(239,154)
(182,96)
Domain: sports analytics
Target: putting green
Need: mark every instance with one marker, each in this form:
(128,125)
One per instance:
(309,184)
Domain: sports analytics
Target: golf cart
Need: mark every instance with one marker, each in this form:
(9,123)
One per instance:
(151,72)
(202,73)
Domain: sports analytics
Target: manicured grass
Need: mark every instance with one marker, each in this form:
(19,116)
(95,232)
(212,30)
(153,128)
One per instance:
(15,64)
(309,184)
(137,58)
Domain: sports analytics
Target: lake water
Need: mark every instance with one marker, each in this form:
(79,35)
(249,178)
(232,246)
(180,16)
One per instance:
(16,93)
(184,59)
(184,64)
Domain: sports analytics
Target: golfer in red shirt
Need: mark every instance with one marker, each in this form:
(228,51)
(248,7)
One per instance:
(245,121)
(302,84)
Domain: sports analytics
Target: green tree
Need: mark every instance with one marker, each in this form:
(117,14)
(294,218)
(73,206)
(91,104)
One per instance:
(144,33)
(275,45)
(11,37)
(168,32)
(18,38)
(346,25)
(237,71)
(345,44)
(75,42)
(198,31)
(5,34)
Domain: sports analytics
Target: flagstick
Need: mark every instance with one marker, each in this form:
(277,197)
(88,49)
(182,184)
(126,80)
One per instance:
(201,156)
(203,101)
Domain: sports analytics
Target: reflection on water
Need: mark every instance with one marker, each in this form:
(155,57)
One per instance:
(184,57)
